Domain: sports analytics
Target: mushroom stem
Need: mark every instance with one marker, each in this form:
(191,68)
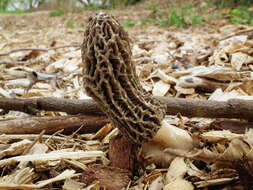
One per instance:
(173,137)
(168,136)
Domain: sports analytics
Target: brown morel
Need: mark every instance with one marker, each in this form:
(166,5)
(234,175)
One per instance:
(110,79)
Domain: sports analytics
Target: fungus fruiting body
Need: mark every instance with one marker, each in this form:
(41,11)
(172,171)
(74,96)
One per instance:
(110,79)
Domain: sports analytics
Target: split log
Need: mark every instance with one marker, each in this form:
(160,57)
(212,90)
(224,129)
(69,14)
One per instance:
(34,125)
(234,108)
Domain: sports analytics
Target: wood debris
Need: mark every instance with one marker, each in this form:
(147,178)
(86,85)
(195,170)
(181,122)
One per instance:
(195,64)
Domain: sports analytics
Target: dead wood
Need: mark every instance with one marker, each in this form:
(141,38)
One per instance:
(234,108)
(32,106)
(244,167)
(34,125)
(122,153)
(109,177)
(242,32)
(231,125)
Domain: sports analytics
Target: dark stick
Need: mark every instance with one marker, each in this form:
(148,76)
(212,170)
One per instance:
(233,108)
(34,125)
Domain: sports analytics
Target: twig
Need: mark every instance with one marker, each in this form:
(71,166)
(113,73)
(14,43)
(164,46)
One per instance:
(11,137)
(34,142)
(38,49)
(70,136)
(234,108)
(237,33)
(34,125)
(54,135)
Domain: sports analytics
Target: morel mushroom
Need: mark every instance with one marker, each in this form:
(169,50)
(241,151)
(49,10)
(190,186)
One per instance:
(110,79)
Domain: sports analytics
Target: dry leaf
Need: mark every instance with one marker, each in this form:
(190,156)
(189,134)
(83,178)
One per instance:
(177,169)
(160,88)
(179,184)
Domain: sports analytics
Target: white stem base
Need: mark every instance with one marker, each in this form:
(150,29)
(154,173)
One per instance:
(168,136)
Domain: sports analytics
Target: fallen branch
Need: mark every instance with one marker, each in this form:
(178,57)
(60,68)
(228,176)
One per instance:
(34,125)
(38,49)
(11,137)
(231,125)
(242,32)
(33,106)
(233,108)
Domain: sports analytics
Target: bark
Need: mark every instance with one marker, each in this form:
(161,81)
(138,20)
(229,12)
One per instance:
(108,177)
(231,125)
(32,106)
(122,153)
(233,108)
(34,125)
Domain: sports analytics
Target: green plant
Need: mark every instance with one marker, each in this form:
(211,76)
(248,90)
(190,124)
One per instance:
(171,13)
(14,12)
(92,7)
(70,24)
(120,3)
(129,24)
(233,3)
(56,13)
(241,16)
(197,20)
(131,2)
(176,19)
(3,4)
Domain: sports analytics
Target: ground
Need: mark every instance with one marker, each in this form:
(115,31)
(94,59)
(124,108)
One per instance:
(212,61)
